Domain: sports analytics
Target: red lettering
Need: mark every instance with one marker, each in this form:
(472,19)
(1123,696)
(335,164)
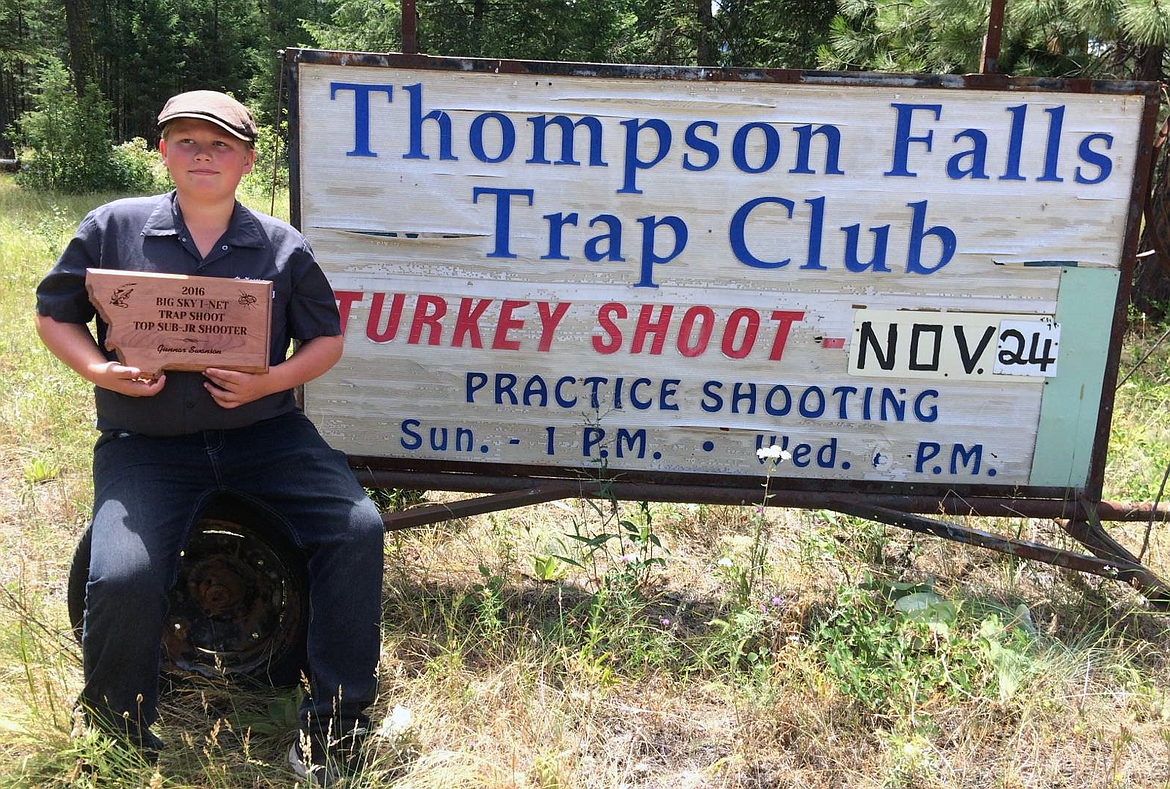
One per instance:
(786,318)
(467,322)
(501,342)
(428,312)
(392,319)
(647,325)
(688,322)
(605,316)
(749,335)
(345,300)
(549,321)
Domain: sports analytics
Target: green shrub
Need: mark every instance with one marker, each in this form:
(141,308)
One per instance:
(68,138)
(139,169)
(68,144)
(269,150)
(896,648)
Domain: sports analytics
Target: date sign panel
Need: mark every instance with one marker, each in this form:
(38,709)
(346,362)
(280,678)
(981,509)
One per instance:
(176,322)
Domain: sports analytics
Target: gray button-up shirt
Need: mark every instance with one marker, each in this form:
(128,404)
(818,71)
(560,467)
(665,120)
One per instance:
(148,234)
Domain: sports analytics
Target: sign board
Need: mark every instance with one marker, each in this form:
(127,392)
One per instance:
(178,322)
(903,284)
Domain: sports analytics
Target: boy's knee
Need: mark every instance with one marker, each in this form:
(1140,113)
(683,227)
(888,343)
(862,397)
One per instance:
(367,522)
(131,584)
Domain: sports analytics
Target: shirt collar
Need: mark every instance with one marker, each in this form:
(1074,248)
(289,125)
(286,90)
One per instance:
(166,220)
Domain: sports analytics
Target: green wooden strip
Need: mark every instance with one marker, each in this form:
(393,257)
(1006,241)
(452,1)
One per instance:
(1068,410)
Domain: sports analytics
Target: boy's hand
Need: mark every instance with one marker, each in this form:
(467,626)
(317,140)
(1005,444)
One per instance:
(125,380)
(232,388)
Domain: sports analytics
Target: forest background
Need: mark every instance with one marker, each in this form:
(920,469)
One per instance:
(80,76)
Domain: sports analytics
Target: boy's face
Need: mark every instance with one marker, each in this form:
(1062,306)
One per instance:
(204,160)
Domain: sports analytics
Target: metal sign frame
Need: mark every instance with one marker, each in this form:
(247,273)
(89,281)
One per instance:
(885,501)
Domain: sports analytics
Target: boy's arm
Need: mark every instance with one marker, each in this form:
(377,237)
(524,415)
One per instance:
(73,344)
(231,388)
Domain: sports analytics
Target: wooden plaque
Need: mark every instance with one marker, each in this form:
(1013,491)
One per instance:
(175,322)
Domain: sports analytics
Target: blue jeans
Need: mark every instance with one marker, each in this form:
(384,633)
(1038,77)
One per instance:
(148,493)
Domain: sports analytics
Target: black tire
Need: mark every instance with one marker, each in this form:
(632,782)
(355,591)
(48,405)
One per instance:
(239,608)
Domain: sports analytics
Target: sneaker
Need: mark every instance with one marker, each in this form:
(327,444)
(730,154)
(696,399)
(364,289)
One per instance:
(141,742)
(323,774)
(323,766)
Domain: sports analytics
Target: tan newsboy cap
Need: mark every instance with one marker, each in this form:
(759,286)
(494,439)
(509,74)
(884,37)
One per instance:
(209,105)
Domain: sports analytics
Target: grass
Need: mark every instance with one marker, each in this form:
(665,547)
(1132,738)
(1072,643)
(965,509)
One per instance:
(770,649)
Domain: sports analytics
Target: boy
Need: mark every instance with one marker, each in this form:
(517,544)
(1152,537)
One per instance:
(169,444)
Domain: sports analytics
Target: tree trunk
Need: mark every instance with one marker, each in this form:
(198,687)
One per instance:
(80,36)
(705,45)
(477,13)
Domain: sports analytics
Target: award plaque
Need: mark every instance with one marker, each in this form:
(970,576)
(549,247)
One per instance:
(175,322)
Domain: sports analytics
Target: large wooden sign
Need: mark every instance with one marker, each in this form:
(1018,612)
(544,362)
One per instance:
(903,284)
(175,322)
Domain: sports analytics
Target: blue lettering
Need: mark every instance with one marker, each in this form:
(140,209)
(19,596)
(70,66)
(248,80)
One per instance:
(927,415)
(593,251)
(593,437)
(563,401)
(632,163)
(503,215)
(902,138)
(977,154)
(669,390)
(594,381)
(890,402)
(700,145)
(1015,143)
(771,147)
(506,385)
(650,258)
(816,225)
(712,401)
(771,408)
(961,454)
(361,112)
(810,412)
(556,223)
(1102,162)
(535,392)
(627,441)
(841,391)
(945,235)
(410,440)
(1052,150)
(800,455)
(881,236)
(641,405)
(507,137)
(927,450)
(474,382)
(832,137)
(739,394)
(568,139)
(416,122)
(736,232)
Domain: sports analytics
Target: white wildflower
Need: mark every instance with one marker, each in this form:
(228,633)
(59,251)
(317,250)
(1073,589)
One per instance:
(774,452)
(397,723)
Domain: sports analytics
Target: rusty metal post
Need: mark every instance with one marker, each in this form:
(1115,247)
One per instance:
(409,28)
(989,60)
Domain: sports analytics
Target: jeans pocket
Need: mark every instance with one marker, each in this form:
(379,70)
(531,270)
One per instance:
(110,435)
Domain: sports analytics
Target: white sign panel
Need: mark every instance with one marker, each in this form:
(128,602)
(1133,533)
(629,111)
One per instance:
(668,275)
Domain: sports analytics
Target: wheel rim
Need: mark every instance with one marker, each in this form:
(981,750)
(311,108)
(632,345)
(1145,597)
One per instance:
(235,607)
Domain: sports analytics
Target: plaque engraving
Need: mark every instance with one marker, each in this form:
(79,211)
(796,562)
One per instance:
(176,322)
